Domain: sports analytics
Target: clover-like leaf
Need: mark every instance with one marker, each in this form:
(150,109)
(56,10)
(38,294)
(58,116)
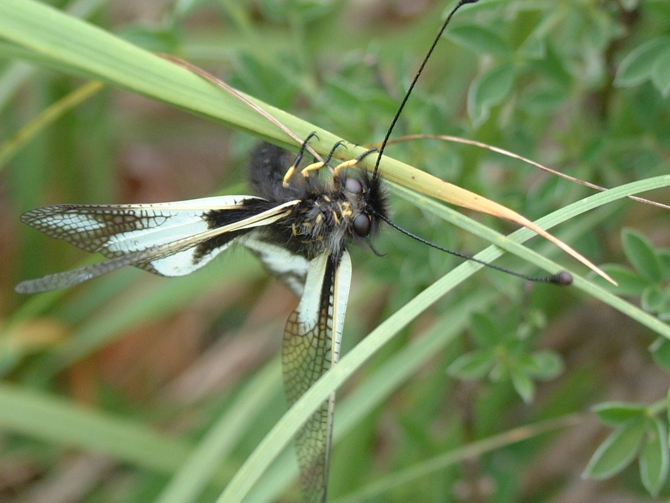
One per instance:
(617,451)
(654,457)
(616,413)
(473,365)
(660,73)
(488,90)
(660,351)
(480,39)
(523,384)
(642,255)
(630,284)
(545,365)
(484,331)
(654,299)
(639,64)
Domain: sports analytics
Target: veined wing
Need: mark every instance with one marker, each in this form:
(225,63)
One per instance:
(169,258)
(117,229)
(287,266)
(311,346)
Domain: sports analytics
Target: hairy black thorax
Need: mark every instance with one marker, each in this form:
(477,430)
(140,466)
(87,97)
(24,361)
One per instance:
(331,213)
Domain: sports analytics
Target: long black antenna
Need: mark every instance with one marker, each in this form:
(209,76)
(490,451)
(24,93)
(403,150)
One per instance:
(461,3)
(562,278)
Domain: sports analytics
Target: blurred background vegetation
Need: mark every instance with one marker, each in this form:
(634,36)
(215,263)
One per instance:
(107,387)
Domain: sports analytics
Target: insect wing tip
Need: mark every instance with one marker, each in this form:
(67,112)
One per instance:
(28,287)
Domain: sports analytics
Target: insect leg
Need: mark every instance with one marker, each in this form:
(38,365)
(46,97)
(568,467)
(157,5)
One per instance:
(298,158)
(352,162)
(318,165)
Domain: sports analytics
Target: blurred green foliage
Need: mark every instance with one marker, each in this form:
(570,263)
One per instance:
(112,366)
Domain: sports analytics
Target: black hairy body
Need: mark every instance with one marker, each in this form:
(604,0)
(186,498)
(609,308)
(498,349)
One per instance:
(331,213)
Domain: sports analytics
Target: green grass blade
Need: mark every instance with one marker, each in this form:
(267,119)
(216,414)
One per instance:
(16,74)
(466,452)
(60,421)
(195,473)
(73,44)
(47,117)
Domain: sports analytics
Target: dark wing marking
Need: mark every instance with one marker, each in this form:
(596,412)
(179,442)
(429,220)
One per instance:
(287,266)
(311,346)
(169,256)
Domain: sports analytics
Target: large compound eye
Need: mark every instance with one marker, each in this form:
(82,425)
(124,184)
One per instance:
(353,186)
(362,225)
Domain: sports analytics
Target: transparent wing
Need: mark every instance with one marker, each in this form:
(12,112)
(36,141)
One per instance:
(287,266)
(311,346)
(168,256)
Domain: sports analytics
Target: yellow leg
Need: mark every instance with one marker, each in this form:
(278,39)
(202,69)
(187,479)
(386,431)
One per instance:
(344,165)
(305,171)
(315,166)
(288,175)
(290,171)
(352,162)
(318,165)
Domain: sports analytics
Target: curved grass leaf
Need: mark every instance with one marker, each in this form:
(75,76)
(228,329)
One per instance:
(216,445)
(471,451)
(63,422)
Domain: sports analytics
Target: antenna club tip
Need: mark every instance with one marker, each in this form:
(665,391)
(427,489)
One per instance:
(563,278)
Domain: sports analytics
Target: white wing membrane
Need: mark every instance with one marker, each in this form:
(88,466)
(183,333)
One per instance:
(117,229)
(174,257)
(311,346)
(287,266)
